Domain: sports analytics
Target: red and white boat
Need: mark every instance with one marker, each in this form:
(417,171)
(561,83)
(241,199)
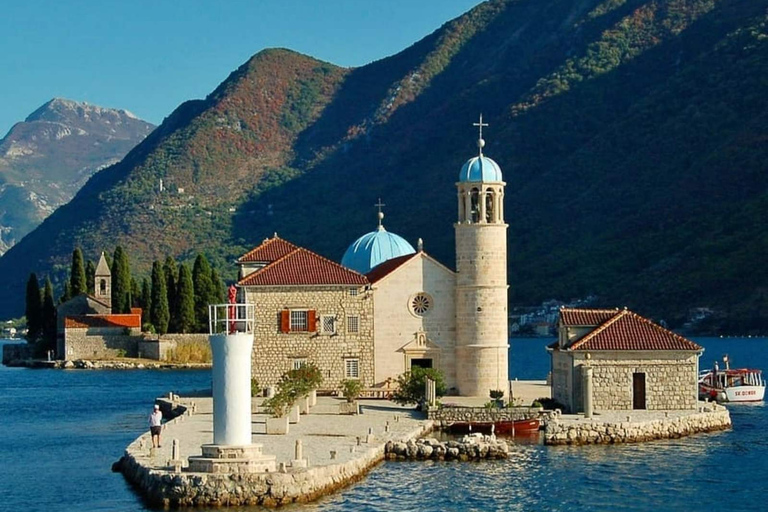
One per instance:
(732,385)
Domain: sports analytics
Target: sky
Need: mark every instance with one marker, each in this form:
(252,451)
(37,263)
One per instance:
(148,56)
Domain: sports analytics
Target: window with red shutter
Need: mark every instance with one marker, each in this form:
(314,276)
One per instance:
(311,320)
(285,321)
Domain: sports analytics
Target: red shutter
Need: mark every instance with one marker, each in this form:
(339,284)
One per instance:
(311,320)
(285,321)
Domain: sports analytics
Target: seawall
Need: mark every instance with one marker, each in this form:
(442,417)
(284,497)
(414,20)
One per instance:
(635,426)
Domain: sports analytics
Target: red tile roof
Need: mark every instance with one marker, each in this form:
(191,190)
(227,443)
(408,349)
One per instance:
(84,321)
(383,270)
(270,250)
(585,317)
(629,331)
(302,267)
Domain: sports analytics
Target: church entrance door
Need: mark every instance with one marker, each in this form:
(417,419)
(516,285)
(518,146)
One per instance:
(421,363)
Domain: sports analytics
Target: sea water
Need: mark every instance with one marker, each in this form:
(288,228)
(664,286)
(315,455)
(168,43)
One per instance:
(62,430)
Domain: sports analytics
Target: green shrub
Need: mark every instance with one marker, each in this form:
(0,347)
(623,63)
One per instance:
(549,403)
(497,394)
(351,389)
(411,385)
(278,405)
(255,388)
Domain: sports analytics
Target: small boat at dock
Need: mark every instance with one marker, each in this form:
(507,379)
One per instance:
(506,428)
(732,384)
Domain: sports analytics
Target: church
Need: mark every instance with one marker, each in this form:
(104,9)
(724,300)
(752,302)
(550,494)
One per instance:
(387,306)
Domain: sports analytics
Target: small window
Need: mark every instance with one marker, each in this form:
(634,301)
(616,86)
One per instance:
(299,362)
(299,320)
(352,368)
(421,304)
(328,324)
(353,324)
(353,292)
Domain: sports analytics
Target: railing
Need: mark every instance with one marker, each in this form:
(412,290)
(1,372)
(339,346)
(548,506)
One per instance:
(231,318)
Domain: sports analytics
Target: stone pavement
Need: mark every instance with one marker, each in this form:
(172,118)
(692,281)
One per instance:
(321,431)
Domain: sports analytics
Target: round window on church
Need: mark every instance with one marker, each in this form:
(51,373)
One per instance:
(420,304)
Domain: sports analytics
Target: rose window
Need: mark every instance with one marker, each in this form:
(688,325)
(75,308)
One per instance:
(420,303)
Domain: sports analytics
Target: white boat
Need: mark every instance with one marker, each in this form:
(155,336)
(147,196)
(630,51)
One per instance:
(732,385)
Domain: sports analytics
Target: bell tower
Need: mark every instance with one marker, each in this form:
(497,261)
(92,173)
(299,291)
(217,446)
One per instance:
(481,277)
(102,287)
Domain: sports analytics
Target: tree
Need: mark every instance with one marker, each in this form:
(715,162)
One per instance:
(67,293)
(49,318)
(77,280)
(159,314)
(34,309)
(90,277)
(218,288)
(135,293)
(204,293)
(171,285)
(185,302)
(121,280)
(145,301)
(411,385)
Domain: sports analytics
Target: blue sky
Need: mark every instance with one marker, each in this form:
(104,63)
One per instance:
(148,56)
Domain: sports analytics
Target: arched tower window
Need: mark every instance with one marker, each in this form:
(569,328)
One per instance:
(102,286)
(490,206)
(475,205)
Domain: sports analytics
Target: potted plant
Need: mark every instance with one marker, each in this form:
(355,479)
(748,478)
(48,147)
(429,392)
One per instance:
(350,389)
(277,408)
(497,396)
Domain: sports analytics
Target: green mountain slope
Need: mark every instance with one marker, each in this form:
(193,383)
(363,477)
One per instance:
(631,135)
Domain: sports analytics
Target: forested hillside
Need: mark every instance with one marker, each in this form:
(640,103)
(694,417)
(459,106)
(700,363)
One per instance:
(632,137)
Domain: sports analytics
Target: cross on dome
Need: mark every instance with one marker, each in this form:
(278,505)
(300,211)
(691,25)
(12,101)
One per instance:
(480,141)
(380,205)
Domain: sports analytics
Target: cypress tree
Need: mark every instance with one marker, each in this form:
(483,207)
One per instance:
(185,301)
(90,277)
(49,318)
(67,293)
(145,302)
(77,280)
(201,276)
(135,293)
(218,287)
(159,313)
(171,286)
(121,280)
(34,309)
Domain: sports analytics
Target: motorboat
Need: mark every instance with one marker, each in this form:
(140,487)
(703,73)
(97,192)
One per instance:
(509,428)
(731,384)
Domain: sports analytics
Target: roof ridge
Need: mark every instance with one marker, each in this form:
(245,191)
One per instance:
(268,265)
(266,243)
(657,327)
(620,314)
(339,265)
(593,310)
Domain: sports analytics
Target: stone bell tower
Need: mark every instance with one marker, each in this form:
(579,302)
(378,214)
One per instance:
(102,287)
(482,340)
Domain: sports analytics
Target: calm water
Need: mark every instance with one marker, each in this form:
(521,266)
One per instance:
(63,429)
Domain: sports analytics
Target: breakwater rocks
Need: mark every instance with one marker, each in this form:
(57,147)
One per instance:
(451,414)
(472,447)
(97,364)
(711,418)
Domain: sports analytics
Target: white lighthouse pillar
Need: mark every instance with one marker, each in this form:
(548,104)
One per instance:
(231,388)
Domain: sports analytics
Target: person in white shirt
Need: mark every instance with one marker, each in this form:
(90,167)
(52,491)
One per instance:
(155,426)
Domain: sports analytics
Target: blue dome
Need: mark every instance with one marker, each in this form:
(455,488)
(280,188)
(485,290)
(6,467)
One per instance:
(375,248)
(480,168)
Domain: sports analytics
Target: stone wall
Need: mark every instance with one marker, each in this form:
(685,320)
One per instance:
(99,343)
(712,418)
(670,379)
(16,352)
(274,352)
(397,326)
(482,415)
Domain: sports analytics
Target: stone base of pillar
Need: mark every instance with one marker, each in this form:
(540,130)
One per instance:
(231,459)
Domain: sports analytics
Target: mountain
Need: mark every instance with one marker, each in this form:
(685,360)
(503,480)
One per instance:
(631,134)
(48,157)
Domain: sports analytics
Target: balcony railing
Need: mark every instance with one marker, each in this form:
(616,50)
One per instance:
(231,318)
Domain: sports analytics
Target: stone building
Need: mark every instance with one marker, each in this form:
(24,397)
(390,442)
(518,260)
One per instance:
(388,307)
(87,329)
(628,361)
